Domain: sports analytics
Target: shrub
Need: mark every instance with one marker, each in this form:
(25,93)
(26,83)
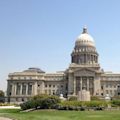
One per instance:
(5,104)
(42,96)
(27,105)
(115,103)
(80,105)
(96,104)
(2,93)
(71,105)
(96,98)
(2,99)
(42,102)
(73,98)
(116,98)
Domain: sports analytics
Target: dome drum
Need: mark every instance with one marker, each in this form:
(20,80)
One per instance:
(84,49)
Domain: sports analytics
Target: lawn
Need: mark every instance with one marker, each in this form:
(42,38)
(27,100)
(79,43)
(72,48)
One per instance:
(60,115)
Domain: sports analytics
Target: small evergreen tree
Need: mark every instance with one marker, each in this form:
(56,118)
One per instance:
(2,99)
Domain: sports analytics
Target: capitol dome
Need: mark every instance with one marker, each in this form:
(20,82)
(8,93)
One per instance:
(84,51)
(85,39)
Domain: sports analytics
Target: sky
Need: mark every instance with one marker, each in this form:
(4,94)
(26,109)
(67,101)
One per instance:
(42,33)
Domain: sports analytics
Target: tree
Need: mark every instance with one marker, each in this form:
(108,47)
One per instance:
(2,99)
(1,93)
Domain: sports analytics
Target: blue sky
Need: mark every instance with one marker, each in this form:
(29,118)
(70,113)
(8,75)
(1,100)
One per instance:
(42,33)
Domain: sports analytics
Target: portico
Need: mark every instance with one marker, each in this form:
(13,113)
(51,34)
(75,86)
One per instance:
(84,83)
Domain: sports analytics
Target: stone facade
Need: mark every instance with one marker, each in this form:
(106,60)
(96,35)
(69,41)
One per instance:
(84,73)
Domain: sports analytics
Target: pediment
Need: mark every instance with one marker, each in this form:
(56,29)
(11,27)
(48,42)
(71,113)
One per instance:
(84,72)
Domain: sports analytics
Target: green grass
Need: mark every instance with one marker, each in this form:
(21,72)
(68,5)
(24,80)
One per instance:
(60,115)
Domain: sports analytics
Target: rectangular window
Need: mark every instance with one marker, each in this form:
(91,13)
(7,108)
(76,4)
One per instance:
(53,92)
(45,91)
(18,89)
(24,89)
(106,91)
(29,89)
(102,87)
(110,86)
(10,92)
(17,100)
(110,92)
(49,92)
(106,86)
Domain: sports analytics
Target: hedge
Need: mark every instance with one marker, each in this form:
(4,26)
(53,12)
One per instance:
(80,105)
(115,103)
(54,102)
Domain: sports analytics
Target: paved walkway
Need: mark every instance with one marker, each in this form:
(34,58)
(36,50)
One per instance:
(9,107)
(3,118)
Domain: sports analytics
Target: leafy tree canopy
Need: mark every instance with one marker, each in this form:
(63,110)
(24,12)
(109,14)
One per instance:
(1,93)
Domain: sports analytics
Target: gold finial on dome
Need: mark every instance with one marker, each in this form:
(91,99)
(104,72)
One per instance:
(84,29)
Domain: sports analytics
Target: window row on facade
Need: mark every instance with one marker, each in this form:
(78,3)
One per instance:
(33,78)
(21,89)
(112,92)
(85,49)
(50,85)
(53,92)
(110,86)
(112,78)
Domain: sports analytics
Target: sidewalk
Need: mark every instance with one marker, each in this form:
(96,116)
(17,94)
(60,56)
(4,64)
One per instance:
(3,118)
(9,107)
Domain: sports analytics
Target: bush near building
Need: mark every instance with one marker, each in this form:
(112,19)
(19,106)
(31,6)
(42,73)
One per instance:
(54,102)
(80,105)
(95,98)
(2,99)
(73,98)
(115,103)
(116,98)
(41,102)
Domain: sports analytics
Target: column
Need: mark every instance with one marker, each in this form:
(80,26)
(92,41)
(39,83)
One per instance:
(35,88)
(87,83)
(104,90)
(96,59)
(15,88)
(90,59)
(87,58)
(84,58)
(26,89)
(32,89)
(12,89)
(80,83)
(74,86)
(94,87)
(42,87)
(21,89)
(70,83)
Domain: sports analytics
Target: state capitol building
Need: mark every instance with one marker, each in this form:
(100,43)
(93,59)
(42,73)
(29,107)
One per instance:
(84,73)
